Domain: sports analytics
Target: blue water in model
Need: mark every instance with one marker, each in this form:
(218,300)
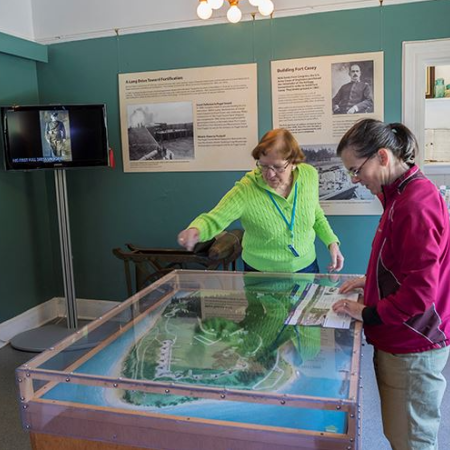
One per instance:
(105,363)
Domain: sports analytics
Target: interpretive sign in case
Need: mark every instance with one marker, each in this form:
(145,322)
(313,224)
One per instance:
(202,360)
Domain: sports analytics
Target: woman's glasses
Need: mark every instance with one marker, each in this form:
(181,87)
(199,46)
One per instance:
(278,169)
(353,173)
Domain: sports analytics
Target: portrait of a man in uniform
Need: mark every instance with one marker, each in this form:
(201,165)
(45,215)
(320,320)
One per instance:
(55,134)
(356,95)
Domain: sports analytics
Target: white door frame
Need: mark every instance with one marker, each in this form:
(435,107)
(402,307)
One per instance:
(417,56)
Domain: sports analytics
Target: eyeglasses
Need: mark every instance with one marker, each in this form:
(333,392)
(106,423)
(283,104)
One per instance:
(278,169)
(353,173)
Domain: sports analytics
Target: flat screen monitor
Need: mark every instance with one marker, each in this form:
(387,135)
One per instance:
(54,137)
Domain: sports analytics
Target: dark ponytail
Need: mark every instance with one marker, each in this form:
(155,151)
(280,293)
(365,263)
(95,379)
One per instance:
(407,147)
(367,136)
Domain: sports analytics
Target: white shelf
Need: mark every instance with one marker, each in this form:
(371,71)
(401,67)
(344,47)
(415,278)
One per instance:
(438,168)
(440,99)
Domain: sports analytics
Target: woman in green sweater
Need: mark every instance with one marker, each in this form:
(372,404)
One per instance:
(278,206)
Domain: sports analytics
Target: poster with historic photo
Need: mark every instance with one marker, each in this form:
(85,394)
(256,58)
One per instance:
(200,119)
(318,100)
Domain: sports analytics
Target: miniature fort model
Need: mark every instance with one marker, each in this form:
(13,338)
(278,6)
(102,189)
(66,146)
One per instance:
(201,357)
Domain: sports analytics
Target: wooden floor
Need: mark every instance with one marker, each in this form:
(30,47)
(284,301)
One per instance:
(46,442)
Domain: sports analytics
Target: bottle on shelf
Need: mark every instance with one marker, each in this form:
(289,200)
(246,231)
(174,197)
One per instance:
(439,88)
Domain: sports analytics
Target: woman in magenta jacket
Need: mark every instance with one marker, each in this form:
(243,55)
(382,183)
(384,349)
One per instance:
(406,310)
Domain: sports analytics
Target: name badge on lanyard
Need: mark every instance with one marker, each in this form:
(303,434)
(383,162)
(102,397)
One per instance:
(290,224)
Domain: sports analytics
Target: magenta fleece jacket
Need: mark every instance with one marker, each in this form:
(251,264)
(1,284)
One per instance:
(408,276)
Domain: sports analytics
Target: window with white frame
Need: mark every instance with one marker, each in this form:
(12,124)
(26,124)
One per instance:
(437,115)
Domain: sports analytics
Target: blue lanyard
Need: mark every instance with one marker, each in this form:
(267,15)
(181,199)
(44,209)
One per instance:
(290,224)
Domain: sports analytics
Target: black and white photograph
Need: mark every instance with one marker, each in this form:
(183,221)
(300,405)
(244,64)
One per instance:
(334,181)
(352,87)
(55,135)
(161,131)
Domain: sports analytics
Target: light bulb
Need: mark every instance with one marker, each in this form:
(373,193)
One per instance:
(204,11)
(266,7)
(254,2)
(215,4)
(234,14)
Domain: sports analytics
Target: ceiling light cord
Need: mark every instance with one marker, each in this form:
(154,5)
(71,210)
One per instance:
(381,25)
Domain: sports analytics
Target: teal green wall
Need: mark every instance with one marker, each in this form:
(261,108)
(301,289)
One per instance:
(22,48)
(26,251)
(109,208)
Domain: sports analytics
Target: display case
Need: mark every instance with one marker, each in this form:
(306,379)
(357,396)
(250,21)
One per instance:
(202,360)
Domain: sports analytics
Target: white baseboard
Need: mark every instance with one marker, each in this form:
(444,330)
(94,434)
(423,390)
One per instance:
(45,312)
(88,309)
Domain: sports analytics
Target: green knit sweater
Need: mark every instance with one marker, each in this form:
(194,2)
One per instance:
(266,237)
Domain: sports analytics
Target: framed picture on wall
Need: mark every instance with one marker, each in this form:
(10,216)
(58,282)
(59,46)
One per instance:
(429,90)
(318,99)
(189,120)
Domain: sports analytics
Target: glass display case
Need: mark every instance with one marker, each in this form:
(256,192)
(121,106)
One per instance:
(203,360)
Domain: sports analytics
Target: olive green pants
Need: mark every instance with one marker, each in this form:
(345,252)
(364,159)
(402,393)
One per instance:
(411,388)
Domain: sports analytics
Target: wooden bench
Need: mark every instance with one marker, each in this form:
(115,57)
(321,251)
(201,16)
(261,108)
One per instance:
(153,263)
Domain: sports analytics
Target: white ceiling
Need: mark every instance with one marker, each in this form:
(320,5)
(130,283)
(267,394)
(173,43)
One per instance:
(15,18)
(49,21)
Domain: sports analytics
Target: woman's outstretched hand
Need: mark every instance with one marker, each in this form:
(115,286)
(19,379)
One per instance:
(349,307)
(188,238)
(351,285)
(337,260)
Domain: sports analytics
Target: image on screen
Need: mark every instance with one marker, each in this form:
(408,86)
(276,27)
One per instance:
(43,137)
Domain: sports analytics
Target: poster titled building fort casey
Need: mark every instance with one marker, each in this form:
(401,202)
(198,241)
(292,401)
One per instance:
(200,119)
(318,100)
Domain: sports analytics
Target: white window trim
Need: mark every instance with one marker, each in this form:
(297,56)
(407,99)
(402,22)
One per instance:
(417,56)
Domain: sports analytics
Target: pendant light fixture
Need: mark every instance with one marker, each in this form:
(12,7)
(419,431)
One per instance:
(205,8)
